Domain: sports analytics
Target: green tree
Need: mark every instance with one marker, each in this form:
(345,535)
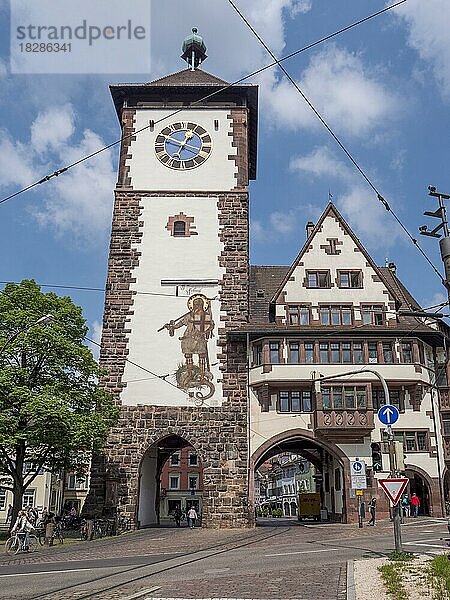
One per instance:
(53,414)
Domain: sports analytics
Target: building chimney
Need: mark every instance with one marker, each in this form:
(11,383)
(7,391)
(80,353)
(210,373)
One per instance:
(392,268)
(309,228)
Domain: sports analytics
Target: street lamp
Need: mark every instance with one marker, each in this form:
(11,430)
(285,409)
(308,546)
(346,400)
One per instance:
(40,321)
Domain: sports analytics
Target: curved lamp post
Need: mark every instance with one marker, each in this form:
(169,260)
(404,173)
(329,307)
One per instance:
(42,320)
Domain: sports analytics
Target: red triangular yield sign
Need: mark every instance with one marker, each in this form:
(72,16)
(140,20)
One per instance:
(394,487)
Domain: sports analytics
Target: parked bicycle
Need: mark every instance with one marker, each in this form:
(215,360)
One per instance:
(56,535)
(18,543)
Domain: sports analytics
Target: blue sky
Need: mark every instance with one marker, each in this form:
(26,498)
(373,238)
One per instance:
(384,87)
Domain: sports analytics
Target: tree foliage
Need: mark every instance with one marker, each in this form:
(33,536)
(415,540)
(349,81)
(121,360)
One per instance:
(52,411)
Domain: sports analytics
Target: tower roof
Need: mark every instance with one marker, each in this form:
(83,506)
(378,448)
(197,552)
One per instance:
(189,77)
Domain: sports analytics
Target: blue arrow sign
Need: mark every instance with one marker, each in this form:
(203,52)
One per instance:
(357,466)
(388,414)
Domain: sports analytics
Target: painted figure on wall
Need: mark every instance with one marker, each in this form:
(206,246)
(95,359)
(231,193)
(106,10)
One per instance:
(194,342)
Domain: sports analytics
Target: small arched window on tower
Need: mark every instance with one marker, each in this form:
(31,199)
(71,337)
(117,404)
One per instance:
(179,229)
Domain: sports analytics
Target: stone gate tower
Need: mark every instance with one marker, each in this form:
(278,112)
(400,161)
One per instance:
(177,284)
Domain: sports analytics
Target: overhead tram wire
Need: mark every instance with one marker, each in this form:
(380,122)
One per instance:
(339,142)
(220,90)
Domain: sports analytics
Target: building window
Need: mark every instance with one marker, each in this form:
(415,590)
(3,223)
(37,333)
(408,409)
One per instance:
(350,279)
(193,482)
(388,355)
(28,498)
(309,352)
(413,441)
(76,483)
(395,398)
(337,480)
(175,459)
(318,279)
(407,356)
(324,352)
(3,494)
(344,397)
(335,315)
(274,349)
(372,349)
(193,460)
(298,315)
(294,401)
(358,353)
(174,482)
(294,352)
(179,229)
(257,354)
(372,314)
(445,425)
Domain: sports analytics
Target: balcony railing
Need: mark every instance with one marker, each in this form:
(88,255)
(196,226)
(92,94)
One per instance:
(336,421)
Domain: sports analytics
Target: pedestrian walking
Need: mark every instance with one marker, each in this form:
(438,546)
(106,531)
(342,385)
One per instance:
(177,515)
(32,515)
(50,524)
(405,505)
(372,510)
(192,517)
(23,526)
(415,503)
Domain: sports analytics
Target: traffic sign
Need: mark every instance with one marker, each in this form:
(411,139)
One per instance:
(358,492)
(358,467)
(394,487)
(388,414)
(359,482)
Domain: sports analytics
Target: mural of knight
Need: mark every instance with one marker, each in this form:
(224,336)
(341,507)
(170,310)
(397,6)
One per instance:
(194,341)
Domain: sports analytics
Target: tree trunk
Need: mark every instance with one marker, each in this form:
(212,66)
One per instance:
(18,481)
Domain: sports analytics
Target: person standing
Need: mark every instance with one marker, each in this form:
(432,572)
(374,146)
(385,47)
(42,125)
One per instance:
(177,515)
(405,505)
(9,513)
(372,510)
(192,517)
(415,503)
(50,524)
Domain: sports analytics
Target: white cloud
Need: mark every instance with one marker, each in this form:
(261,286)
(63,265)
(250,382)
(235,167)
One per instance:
(427,24)
(321,162)
(368,218)
(337,84)
(52,128)
(283,223)
(78,202)
(95,333)
(15,162)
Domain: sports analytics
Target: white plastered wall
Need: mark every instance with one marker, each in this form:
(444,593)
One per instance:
(216,173)
(174,259)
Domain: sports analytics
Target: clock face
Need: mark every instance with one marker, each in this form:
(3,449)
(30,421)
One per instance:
(183,145)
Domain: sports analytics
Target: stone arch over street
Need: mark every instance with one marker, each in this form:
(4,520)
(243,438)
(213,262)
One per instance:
(331,468)
(151,493)
(425,488)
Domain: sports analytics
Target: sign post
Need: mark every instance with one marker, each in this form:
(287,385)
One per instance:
(388,415)
(359,483)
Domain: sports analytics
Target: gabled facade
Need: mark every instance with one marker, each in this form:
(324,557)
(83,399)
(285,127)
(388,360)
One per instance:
(333,311)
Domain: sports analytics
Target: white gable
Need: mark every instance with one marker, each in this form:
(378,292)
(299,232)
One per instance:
(334,251)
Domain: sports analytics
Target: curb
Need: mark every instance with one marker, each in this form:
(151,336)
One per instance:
(350,581)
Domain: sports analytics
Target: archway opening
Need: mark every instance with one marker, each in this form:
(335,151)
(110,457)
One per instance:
(418,485)
(298,478)
(170,482)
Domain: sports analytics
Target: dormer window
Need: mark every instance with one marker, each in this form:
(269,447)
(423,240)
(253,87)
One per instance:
(372,314)
(298,315)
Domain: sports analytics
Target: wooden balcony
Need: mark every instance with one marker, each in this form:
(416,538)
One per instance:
(446,445)
(343,424)
(444,398)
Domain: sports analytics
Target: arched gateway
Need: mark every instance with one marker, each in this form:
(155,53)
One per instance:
(235,359)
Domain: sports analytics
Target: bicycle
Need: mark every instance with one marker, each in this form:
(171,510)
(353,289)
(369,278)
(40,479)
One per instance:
(56,535)
(15,543)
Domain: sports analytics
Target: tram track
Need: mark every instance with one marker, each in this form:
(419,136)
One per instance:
(191,557)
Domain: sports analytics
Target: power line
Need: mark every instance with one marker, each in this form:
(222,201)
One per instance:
(339,142)
(220,90)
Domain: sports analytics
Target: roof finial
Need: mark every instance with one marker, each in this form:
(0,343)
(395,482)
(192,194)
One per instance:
(194,49)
